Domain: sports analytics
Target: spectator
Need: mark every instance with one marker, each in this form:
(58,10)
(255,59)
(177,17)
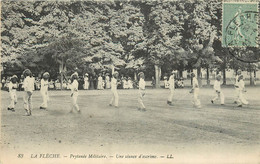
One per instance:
(51,84)
(125,83)
(130,83)
(153,82)
(91,83)
(107,81)
(86,81)
(166,84)
(57,84)
(64,84)
(3,83)
(100,81)
(38,83)
(21,88)
(68,84)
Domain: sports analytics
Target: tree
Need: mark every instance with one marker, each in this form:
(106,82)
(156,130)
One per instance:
(200,33)
(163,27)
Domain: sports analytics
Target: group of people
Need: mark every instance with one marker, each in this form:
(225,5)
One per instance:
(239,85)
(104,82)
(87,82)
(179,83)
(74,85)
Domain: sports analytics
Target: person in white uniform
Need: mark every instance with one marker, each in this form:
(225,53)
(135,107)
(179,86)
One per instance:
(44,90)
(74,92)
(12,87)
(195,91)
(107,81)
(171,83)
(100,81)
(28,91)
(86,81)
(218,91)
(241,99)
(141,91)
(237,91)
(114,99)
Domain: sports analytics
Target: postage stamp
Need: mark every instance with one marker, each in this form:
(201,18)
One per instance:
(240,24)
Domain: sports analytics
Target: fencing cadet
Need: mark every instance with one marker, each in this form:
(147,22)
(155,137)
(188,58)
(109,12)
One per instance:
(195,91)
(74,92)
(171,83)
(218,91)
(241,85)
(28,91)
(141,91)
(236,85)
(12,90)
(44,90)
(114,99)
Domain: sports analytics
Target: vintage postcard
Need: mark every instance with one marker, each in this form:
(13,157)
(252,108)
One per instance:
(130,81)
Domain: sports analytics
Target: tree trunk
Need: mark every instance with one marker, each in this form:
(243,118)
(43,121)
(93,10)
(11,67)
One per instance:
(208,81)
(224,77)
(199,76)
(180,73)
(224,71)
(191,77)
(251,77)
(157,75)
(61,73)
(135,76)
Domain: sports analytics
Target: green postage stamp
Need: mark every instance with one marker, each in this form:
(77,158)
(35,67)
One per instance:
(240,24)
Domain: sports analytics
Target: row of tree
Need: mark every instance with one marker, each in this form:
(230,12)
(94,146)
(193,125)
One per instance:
(59,36)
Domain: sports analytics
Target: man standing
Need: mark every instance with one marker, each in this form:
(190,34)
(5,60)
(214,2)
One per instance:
(236,85)
(195,91)
(114,99)
(171,83)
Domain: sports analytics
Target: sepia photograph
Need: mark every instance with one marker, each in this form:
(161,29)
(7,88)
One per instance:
(130,81)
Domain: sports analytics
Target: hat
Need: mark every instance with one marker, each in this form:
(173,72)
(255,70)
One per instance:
(27,72)
(140,73)
(115,72)
(75,74)
(46,74)
(218,76)
(14,76)
(174,71)
(86,74)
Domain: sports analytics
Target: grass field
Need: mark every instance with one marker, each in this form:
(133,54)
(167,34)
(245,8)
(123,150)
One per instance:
(212,131)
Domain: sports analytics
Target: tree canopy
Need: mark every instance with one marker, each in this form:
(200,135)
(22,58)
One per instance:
(59,36)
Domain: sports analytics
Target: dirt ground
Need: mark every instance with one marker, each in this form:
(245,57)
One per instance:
(212,134)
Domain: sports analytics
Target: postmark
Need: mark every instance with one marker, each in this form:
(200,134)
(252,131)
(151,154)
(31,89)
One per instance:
(240,24)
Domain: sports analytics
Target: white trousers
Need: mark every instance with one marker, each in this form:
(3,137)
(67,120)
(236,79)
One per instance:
(219,96)
(74,99)
(196,100)
(171,94)
(13,97)
(114,99)
(45,98)
(140,99)
(237,92)
(241,99)
(28,101)
(86,85)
